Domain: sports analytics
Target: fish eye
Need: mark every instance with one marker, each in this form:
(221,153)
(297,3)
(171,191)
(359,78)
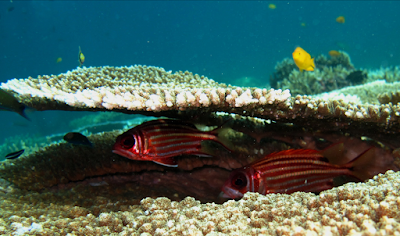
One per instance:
(127,142)
(239,180)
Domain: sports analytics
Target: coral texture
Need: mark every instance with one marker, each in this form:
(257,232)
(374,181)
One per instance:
(153,91)
(98,192)
(137,88)
(285,68)
(370,208)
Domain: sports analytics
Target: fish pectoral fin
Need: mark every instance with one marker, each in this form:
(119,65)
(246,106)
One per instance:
(169,161)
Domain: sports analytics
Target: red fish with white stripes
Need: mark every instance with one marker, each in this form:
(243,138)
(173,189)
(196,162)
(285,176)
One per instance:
(294,170)
(162,140)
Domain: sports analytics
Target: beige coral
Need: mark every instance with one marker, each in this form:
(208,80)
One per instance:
(139,89)
(370,208)
(136,88)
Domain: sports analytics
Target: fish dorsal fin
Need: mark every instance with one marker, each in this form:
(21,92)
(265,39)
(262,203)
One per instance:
(169,162)
(295,153)
(334,153)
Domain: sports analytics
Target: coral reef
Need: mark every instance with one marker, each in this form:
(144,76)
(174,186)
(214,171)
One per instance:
(330,74)
(286,67)
(376,92)
(319,81)
(391,74)
(30,143)
(393,97)
(80,190)
(370,208)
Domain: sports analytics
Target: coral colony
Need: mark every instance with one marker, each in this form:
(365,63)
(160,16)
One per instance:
(63,188)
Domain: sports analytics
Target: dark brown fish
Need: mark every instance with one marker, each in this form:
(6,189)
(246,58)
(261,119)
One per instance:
(14,155)
(356,77)
(77,139)
(9,103)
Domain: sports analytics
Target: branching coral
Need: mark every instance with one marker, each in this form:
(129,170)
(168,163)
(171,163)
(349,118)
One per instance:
(391,74)
(393,97)
(285,68)
(318,81)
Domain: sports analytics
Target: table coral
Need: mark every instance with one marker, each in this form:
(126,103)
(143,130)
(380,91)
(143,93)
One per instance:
(153,91)
(136,88)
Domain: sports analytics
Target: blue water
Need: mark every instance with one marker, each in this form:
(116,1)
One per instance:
(226,40)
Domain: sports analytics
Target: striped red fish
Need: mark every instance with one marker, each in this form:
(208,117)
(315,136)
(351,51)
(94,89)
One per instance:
(294,170)
(162,140)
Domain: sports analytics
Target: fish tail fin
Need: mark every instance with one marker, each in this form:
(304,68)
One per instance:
(23,113)
(312,63)
(365,165)
(372,162)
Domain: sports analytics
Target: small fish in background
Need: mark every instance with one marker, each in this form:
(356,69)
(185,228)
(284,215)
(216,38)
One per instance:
(14,155)
(303,60)
(162,140)
(271,6)
(303,24)
(59,59)
(294,170)
(9,103)
(81,57)
(340,19)
(334,53)
(77,139)
(357,77)
(10,9)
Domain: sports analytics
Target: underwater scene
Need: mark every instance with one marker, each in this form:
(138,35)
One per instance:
(199,118)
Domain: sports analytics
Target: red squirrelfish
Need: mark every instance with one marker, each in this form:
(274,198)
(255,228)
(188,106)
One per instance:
(162,140)
(294,170)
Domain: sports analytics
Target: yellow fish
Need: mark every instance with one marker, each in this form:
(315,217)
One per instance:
(81,57)
(340,20)
(303,60)
(271,6)
(334,53)
(59,60)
